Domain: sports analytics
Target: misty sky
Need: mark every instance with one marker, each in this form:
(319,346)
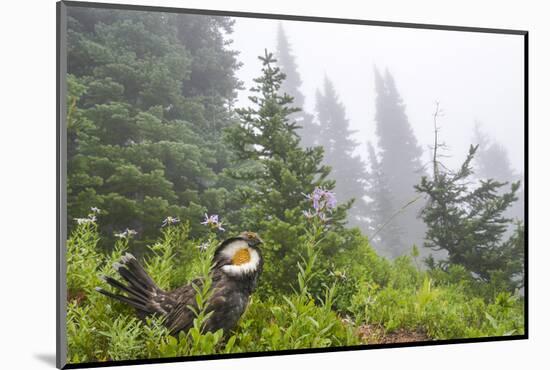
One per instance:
(474,76)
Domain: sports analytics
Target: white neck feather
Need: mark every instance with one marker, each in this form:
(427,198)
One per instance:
(245,268)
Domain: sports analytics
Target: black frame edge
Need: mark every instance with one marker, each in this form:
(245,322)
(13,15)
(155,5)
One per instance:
(526,181)
(61,167)
(290,17)
(58,363)
(292,352)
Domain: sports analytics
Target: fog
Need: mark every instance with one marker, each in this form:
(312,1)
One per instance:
(474,76)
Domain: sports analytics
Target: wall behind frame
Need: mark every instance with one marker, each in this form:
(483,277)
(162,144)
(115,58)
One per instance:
(28,182)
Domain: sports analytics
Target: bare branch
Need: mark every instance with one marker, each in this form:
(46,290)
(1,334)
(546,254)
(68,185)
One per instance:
(438,113)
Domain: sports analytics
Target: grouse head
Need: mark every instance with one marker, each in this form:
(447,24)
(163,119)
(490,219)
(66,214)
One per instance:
(240,257)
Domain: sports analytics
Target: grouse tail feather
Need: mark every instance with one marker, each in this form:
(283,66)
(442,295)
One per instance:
(139,289)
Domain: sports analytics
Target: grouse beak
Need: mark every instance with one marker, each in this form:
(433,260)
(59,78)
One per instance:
(255,242)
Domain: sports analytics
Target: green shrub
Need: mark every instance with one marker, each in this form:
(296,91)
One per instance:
(294,323)
(101,329)
(441,304)
(332,300)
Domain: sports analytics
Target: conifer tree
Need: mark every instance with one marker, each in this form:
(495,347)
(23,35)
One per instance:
(468,222)
(384,235)
(144,127)
(492,162)
(277,173)
(400,161)
(291,85)
(347,168)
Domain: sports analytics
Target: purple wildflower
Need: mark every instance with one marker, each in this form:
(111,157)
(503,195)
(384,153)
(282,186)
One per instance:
(212,221)
(323,201)
(330,199)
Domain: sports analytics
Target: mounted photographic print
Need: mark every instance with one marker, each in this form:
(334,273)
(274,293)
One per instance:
(237,184)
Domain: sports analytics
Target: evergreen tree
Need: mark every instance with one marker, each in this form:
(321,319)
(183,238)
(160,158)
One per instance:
(291,85)
(278,172)
(144,128)
(383,233)
(468,222)
(400,161)
(492,162)
(347,169)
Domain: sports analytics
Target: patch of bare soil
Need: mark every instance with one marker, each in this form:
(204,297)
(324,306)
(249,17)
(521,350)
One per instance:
(78,296)
(376,334)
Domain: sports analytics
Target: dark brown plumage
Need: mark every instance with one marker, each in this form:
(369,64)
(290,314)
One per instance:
(237,265)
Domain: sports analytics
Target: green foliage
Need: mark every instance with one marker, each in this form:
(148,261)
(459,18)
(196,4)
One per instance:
(468,223)
(327,309)
(101,329)
(444,305)
(161,262)
(82,259)
(278,172)
(292,324)
(148,97)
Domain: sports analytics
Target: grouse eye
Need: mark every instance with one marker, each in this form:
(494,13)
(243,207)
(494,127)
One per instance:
(241,256)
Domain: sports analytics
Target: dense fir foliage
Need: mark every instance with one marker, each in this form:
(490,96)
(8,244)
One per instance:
(277,174)
(149,95)
(154,144)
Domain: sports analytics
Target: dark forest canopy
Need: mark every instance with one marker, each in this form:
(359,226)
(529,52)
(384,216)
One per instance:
(150,95)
